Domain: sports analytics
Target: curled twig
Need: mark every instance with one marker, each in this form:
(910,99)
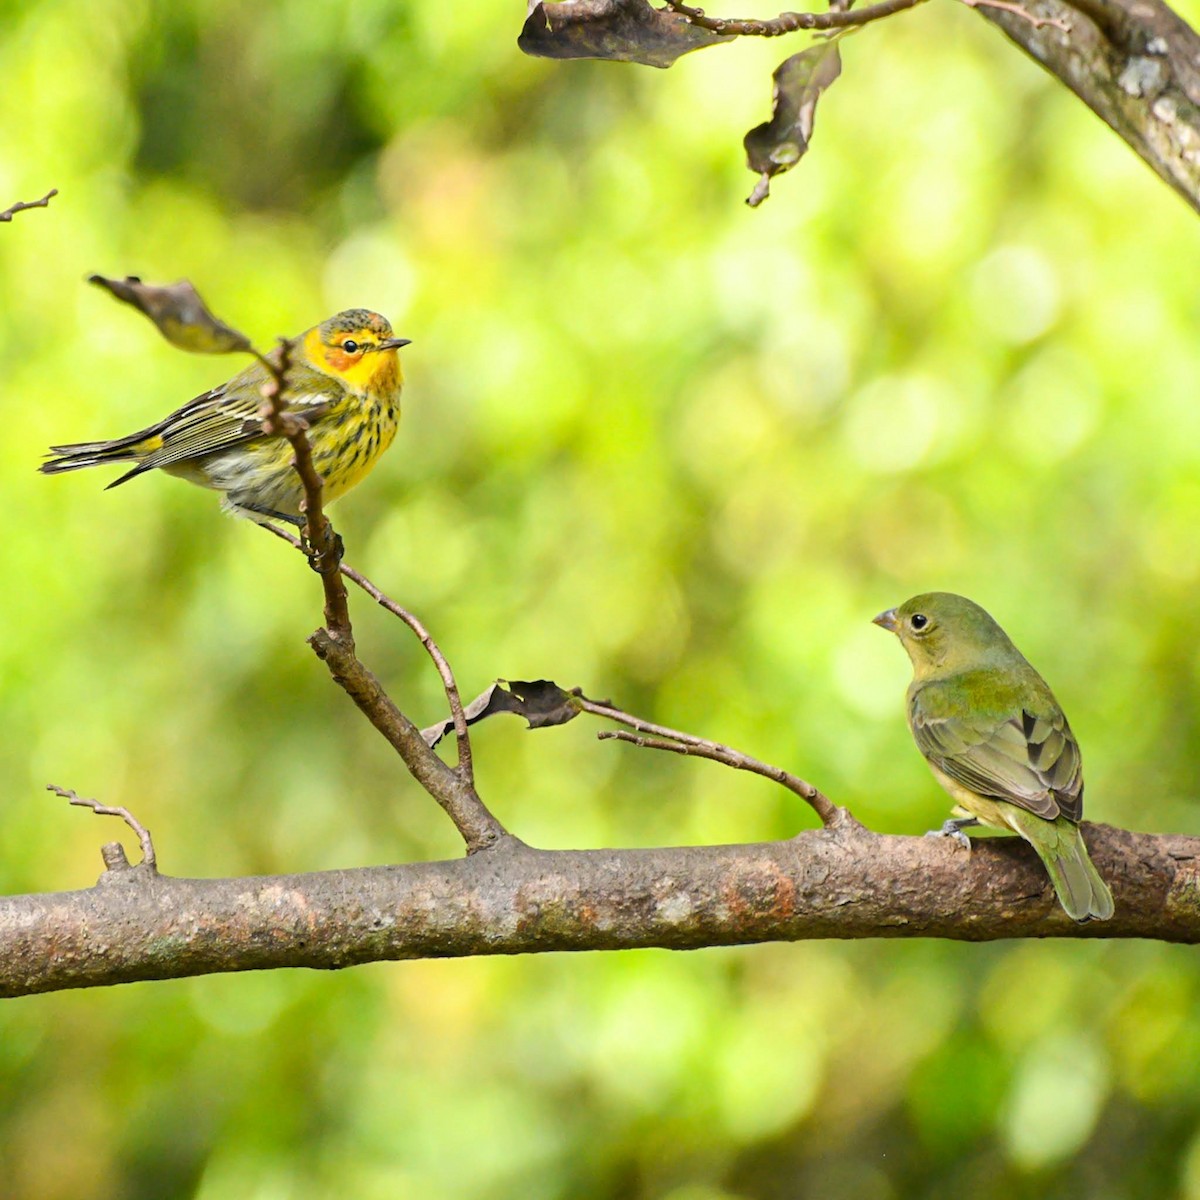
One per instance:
(792,22)
(465,766)
(22,205)
(659,737)
(149,858)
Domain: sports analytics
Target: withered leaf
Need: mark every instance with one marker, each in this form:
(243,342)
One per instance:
(779,144)
(540,701)
(620,30)
(181,315)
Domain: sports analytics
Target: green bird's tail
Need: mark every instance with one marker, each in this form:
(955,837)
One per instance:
(1082,893)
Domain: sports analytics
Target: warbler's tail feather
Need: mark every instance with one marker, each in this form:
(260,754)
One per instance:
(140,469)
(74,457)
(1080,890)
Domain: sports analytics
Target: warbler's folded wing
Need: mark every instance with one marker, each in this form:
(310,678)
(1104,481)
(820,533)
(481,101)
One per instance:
(1030,760)
(221,419)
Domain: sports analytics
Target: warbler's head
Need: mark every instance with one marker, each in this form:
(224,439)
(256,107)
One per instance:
(357,347)
(944,632)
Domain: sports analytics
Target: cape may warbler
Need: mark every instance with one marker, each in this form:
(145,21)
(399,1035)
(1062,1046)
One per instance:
(343,378)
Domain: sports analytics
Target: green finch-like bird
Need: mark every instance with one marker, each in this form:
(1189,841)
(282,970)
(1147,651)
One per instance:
(996,740)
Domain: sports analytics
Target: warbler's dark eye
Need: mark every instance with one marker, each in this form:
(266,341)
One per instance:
(350,347)
(918,620)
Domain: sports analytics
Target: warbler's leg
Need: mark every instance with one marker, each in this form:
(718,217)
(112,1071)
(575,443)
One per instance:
(272,514)
(953,828)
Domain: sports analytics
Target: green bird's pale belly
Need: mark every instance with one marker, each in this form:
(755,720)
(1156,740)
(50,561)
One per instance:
(967,803)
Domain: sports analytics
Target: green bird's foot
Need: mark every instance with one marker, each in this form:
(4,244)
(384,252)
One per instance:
(953,829)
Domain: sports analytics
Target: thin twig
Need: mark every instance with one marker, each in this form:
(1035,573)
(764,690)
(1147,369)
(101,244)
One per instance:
(112,810)
(22,205)
(791,22)
(465,766)
(326,551)
(1023,13)
(659,737)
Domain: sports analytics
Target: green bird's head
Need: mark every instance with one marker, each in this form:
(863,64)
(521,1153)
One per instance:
(944,633)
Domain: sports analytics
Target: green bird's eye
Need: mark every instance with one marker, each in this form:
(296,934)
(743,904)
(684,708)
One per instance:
(918,621)
(350,347)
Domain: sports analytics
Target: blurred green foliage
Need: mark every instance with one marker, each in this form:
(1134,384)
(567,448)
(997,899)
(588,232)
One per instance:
(656,445)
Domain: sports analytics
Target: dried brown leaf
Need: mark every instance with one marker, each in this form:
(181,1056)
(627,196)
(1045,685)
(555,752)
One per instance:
(779,144)
(540,701)
(181,315)
(620,30)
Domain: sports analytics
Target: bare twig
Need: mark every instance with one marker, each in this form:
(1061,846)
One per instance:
(22,205)
(661,738)
(792,22)
(112,810)
(465,766)
(326,551)
(1023,13)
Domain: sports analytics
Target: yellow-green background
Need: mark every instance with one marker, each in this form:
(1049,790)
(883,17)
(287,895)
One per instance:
(657,445)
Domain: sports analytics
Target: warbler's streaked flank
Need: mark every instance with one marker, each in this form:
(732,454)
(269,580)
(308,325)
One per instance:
(343,378)
(997,740)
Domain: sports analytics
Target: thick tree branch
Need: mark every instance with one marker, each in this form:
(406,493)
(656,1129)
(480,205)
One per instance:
(1134,63)
(512,899)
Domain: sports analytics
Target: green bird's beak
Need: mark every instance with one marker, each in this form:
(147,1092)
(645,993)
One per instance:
(887,620)
(393,343)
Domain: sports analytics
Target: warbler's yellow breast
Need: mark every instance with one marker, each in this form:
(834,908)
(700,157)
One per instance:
(347,442)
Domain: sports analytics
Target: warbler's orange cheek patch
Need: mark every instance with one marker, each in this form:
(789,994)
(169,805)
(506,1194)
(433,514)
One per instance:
(339,360)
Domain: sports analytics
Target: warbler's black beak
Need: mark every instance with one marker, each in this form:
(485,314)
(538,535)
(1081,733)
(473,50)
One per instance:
(393,343)
(887,620)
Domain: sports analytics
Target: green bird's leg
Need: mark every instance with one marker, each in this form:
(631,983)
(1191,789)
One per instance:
(953,828)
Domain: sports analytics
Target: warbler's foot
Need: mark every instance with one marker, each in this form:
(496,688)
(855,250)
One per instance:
(953,829)
(316,559)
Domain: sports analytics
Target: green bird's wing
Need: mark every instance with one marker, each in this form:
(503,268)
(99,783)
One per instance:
(1029,759)
(228,416)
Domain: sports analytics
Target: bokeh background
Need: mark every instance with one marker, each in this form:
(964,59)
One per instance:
(657,445)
